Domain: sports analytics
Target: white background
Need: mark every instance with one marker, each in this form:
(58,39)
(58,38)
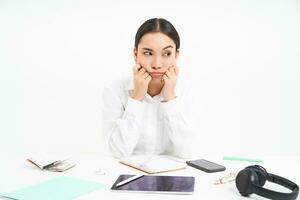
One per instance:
(56,56)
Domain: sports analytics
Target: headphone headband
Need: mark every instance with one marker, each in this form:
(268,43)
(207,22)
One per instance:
(278,195)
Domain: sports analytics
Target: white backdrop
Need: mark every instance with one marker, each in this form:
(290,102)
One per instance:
(56,56)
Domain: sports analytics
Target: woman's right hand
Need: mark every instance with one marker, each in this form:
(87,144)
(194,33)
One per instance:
(141,79)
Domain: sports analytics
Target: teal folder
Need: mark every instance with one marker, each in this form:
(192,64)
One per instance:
(60,188)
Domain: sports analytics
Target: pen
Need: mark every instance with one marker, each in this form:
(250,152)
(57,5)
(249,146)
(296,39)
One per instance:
(242,159)
(129,180)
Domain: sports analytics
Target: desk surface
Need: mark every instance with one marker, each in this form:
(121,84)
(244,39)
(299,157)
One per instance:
(17,173)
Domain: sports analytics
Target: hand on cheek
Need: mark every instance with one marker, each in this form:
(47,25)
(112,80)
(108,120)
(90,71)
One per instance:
(141,80)
(170,79)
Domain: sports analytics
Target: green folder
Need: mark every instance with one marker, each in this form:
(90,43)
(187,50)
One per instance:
(60,188)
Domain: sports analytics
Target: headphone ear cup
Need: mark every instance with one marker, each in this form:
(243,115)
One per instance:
(244,181)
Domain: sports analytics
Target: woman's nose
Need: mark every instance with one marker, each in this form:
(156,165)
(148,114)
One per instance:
(155,67)
(156,64)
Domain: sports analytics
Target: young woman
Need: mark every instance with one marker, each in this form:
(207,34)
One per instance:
(146,113)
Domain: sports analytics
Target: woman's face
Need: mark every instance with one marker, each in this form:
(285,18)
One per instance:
(156,53)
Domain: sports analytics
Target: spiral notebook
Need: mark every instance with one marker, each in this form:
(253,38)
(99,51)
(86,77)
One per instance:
(154,163)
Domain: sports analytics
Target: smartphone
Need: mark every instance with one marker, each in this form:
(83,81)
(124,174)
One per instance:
(206,165)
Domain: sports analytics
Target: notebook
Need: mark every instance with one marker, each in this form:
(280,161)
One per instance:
(156,184)
(153,163)
(51,163)
(59,188)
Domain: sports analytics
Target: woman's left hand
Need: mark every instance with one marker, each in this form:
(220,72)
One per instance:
(170,79)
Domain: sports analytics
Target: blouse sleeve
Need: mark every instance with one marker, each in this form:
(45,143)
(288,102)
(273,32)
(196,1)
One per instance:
(120,122)
(179,124)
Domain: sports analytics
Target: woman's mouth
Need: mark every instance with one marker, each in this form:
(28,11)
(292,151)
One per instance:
(156,74)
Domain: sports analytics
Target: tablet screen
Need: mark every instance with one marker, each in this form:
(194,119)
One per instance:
(157,184)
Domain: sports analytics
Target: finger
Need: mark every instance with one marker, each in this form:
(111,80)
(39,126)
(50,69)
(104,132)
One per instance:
(176,69)
(145,75)
(168,73)
(148,79)
(141,71)
(165,77)
(136,68)
(172,70)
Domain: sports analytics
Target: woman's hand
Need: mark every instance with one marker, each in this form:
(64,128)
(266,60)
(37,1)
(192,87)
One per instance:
(141,79)
(170,79)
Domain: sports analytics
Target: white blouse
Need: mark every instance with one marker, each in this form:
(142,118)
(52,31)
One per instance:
(149,126)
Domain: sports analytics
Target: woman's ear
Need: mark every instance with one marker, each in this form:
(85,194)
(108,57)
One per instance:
(135,54)
(177,54)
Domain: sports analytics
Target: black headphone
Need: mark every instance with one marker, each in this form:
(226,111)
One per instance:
(252,179)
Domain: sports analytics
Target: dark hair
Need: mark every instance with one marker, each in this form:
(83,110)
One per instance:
(157,25)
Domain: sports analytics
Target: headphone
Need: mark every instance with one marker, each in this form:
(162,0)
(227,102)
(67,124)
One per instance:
(252,179)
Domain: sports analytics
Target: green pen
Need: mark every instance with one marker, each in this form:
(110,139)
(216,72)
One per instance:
(242,159)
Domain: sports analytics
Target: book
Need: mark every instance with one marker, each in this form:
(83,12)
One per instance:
(152,164)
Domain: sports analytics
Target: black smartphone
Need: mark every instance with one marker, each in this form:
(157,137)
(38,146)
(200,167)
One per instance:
(206,165)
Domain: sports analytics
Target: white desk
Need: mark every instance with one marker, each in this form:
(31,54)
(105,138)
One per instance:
(16,173)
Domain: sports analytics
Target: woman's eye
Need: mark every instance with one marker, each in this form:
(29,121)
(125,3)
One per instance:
(167,54)
(148,53)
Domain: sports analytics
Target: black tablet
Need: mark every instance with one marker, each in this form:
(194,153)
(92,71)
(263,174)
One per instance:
(157,184)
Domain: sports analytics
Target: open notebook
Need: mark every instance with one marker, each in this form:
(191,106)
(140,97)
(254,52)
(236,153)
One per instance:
(153,163)
(51,162)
